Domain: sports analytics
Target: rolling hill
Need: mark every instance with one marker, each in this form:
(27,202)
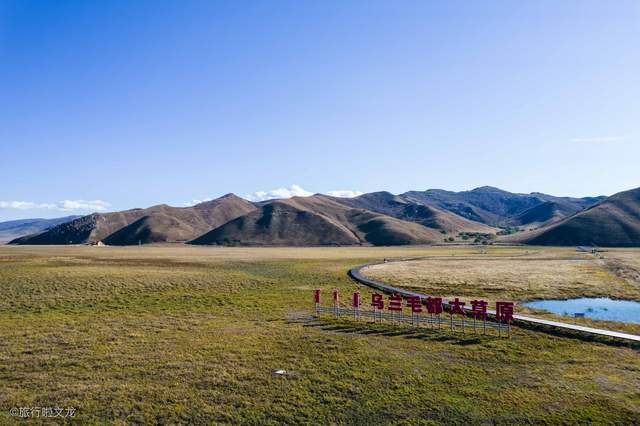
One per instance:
(18,228)
(317,220)
(493,206)
(161,223)
(180,224)
(377,218)
(614,222)
(543,214)
(413,211)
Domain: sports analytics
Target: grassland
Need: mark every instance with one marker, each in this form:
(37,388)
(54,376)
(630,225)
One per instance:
(192,335)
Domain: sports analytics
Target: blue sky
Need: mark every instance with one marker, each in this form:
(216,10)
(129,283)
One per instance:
(119,104)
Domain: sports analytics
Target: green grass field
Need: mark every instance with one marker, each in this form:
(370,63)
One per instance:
(192,335)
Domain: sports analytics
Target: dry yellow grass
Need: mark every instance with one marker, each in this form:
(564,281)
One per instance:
(189,335)
(624,263)
(204,254)
(539,274)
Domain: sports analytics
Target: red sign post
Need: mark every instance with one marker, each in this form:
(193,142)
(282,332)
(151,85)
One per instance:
(355,304)
(415,304)
(377,302)
(395,303)
(316,299)
(433,306)
(504,312)
(479,310)
(456,306)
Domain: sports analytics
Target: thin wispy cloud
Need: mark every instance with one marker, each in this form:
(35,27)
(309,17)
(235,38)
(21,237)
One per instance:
(194,202)
(296,191)
(62,206)
(601,139)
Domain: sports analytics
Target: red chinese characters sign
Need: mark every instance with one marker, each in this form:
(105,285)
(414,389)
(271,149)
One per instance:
(423,310)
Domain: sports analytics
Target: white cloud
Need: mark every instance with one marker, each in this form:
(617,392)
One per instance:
(24,205)
(95,205)
(63,206)
(292,191)
(194,202)
(344,193)
(602,139)
(295,191)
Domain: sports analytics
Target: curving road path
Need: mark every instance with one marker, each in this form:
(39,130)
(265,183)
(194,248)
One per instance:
(521,320)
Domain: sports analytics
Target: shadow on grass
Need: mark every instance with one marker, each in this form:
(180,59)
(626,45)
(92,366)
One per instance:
(592,338)
(443,334)
(388,330)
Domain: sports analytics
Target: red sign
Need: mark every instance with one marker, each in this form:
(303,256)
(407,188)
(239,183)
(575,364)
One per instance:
(377,301)
(456,306)
(355,300)
(415,304)
(479,309)
(504,311)
(395,302)
(434,305)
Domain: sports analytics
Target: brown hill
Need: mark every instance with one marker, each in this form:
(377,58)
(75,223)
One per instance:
(317,220)
(494,206)
(154,228)
(614,222)
(160,223)
(19,228)
(379,218)
(543,214)
(91,228)
(414,211)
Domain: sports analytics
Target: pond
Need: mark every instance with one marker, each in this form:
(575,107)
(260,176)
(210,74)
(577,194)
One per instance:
(600,308)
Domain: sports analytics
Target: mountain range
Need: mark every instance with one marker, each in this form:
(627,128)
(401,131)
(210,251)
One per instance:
(18,228)
(377,218)
(614,222)
(161,223)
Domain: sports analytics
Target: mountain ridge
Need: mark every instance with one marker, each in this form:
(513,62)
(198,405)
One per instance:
(108,226)
(13,229)
(316,220)
(613,222)
(376,218)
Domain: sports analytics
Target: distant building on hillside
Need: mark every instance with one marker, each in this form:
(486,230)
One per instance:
(587,249)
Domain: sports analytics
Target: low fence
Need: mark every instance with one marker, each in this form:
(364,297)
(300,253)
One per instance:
(436,322)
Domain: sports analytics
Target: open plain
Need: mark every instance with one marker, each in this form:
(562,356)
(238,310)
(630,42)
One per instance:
(180,334)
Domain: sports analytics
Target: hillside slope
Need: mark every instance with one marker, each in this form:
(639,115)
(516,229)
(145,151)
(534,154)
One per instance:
(317,220)
(543,214)
(161,223)
(494,206)
(13,229)
(180,224)
(614,222)
(413,211)
(90,228)
(379,218)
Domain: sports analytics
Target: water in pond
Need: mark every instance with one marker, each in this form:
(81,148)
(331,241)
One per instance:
(601,308)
